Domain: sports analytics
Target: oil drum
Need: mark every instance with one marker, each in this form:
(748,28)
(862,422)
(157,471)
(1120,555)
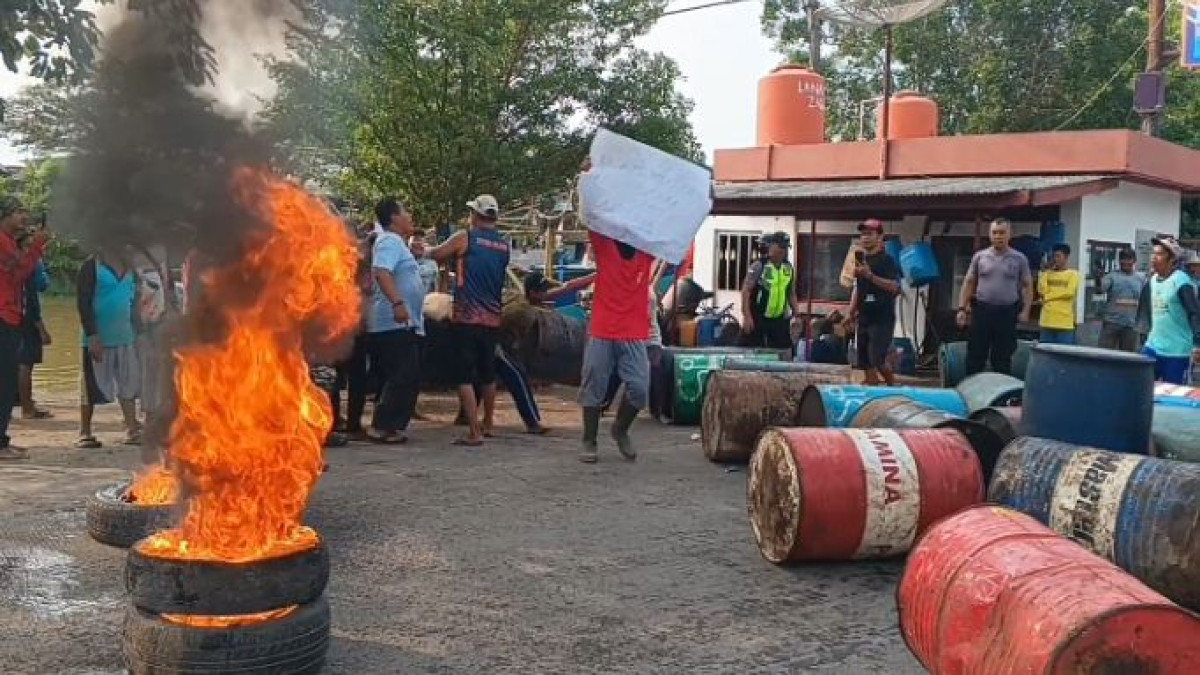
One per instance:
(739,404)
(843,494)
(1005,421)
(952,361)
(985,390)
(1139,512)
(835,406)
(1096,397)
(898,412)
(691,373)
(1176,395)
(1176,433)
(993,592)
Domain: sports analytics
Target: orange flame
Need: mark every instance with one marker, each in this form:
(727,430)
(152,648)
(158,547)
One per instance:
(247,440)
(154,486)
(197,621)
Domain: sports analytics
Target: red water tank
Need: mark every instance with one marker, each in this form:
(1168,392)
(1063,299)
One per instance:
(910,116)
(791,107)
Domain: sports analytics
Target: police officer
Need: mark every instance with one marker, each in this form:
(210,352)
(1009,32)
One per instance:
(769,297)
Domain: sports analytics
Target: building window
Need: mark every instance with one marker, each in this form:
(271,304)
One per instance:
(735,252)
(827,257)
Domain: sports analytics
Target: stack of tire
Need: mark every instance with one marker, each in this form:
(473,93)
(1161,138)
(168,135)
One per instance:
(197,616)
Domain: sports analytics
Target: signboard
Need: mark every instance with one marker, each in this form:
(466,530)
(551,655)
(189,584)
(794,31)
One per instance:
(644,197)
(1190,51)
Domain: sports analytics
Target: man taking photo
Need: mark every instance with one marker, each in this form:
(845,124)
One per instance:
(873,304)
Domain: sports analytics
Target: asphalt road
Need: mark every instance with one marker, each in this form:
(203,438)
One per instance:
(510,558)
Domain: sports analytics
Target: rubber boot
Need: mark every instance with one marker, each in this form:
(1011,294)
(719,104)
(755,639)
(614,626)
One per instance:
(591,428)
(626,414)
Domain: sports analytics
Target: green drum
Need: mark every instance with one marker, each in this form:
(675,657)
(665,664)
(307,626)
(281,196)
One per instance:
(691,380)
(952,361)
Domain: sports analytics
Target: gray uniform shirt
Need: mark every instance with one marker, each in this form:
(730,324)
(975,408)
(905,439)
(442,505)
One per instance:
(1000,276)
(1123,291)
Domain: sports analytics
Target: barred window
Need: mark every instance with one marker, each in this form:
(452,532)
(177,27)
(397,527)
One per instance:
(735,252)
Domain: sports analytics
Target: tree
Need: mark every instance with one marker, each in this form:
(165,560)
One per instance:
(1001,65)
(54,38)
(438,101)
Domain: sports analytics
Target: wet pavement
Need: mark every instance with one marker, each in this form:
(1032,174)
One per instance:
(510,558)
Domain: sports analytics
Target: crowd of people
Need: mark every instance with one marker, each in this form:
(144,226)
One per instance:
(125,296)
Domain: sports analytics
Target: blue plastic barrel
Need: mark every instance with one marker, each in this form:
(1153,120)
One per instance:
(1031,247)
(1138,512)
(1053,233)
(835,405)
(707,330)
(919,264)
(1087,396)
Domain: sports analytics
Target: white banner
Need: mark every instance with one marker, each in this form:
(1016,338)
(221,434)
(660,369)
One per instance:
(644,197)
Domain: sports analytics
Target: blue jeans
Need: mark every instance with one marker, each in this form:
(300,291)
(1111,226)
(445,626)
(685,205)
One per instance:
(1057,336)
(1170,369)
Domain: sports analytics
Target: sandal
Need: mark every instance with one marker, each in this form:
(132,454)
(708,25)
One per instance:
(12,453)
(336,440)
(468,442)
(539,430)
(132,438)
(88,443)
(37,414)
(391,438)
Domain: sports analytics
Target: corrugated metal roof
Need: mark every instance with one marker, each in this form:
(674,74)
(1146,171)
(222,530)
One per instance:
(901,187)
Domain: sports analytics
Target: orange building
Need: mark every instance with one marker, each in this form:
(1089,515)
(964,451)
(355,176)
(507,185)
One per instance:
(1097,191)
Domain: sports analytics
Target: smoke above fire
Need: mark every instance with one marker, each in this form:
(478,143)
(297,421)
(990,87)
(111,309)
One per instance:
(166,135)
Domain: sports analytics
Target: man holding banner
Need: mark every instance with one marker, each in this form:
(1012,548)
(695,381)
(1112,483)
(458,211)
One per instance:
(639,204)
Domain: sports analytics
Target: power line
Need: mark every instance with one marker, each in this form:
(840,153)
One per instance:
(708,5)
(1104,87)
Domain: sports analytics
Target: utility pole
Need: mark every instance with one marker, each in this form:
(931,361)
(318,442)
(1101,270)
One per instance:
(1155,61)
(814,35)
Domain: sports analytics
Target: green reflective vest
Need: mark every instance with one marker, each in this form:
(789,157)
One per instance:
(774,286)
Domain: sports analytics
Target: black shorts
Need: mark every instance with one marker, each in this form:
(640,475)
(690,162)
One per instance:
(874,342)
(30,352)
(476,353)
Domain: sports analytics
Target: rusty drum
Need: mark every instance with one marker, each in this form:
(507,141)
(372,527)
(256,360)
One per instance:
(739,404)
(1139,512)
(826,494)
(993,592)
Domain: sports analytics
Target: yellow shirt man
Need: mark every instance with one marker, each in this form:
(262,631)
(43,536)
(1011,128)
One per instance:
(1058,289)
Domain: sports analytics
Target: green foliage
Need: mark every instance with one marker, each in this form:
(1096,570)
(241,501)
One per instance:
(439,101)
(54,38)
(1002,65)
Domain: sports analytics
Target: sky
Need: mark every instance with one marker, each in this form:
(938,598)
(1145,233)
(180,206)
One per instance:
(721,53)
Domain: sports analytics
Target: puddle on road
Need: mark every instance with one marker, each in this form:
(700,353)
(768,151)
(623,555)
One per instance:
(44,582)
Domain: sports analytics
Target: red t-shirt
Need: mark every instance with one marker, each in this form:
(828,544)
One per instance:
(15,267)
(620,306)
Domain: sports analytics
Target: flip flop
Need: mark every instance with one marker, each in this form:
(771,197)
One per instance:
(39,414)
(394,438)
(13,454)
(538,431)
(88,443)
(468,442)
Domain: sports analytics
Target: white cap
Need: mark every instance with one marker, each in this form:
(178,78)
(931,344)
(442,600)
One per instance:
(485,205)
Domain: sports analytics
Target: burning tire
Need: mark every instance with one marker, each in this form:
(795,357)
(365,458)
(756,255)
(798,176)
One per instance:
(113,520)
(294,643)
(204,587)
